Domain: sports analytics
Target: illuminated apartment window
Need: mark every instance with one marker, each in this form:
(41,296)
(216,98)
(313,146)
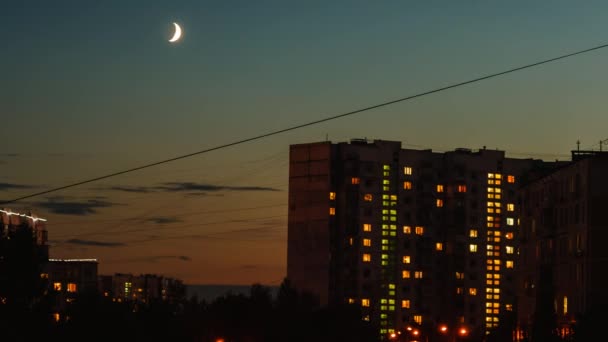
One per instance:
(419,230)
(490,175)
(406,259)
(473,233)
(367,242)
(565,306)
(355,180)
(407,170)
(56,316)
(407,230)
(509,249)
(473,248)
(407,185)
(439,188)
(418,319)
(459,275)
(386,182)
(509,264)
(72,287)
(332,211)
(490,210)
(351,300)
(509,307)
(439,203)
(509,235)
(439,246)
(57,286)
(405,274)
(510,221)
(462,188)
(367,227)
(472,291)
(368,197)
(364,302)
(332,195)
(418,274)
(510,207)
(367,257)
(459,290)
(405,303)
(497,176)
(44,275)
(510,179)
(490,189)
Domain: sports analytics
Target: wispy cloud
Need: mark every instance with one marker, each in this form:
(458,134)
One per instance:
(77,208)
(137,189)
(202,187)
(94,243)
(163,220)
(14,186)
(151,259)
(11,155)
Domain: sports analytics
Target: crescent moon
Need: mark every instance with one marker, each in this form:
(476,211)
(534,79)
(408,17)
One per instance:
(177,35)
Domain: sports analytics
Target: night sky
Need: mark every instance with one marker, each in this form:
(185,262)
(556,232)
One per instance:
(89,88)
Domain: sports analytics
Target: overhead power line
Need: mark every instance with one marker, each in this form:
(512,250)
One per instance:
(311,123)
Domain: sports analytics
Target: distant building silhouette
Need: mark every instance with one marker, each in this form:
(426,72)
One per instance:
(416,238)
(564,229)
(141,289)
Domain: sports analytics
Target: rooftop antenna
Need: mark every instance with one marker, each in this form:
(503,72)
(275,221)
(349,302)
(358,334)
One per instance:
(326,137)
(578,145)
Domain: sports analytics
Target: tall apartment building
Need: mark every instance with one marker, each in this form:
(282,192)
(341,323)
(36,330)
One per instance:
(563,254)
(10,221)
(416,238)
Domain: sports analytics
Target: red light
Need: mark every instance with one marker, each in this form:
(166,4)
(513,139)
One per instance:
(415,332)
(443,328)
(462,331)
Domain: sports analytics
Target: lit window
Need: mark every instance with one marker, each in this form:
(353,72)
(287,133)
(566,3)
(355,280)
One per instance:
(510,221)
(419,230)
(367,242)
(509,249)
(509,235)
(497,176)
(510,206)
(57,286)
(386,182)
(439,188)
(368,197)
(44,275)
(332,211)
(407,230)
(473,248)
(418,319)
(367,227)
(351,300)
(497,182)
(406,259)
(350,241)
(355,180)
(367,257)
(459,290)
(332,195)
(509,307)
(509,263)
(472,291)
(473,233)
(386,167)
(490,175)
(565,305)
(407,170)
(490,189)
(72,287)
(510,179)
(364,302)
(418,274)
(462,188)
(56,316)
(405,274)
(407,185)
(405,303)
(439,203)
(439,246)
(459,275)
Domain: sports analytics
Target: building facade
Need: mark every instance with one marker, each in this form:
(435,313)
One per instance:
(141,289)
(10,221)
(422,241)
(563,256)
